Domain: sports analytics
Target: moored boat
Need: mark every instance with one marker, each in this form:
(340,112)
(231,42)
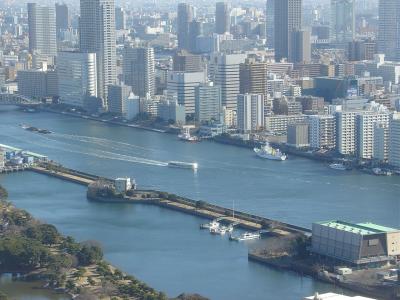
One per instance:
(337,166)
(246,236)
(267,152)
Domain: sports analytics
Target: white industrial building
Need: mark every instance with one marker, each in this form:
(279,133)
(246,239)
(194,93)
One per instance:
(355,244)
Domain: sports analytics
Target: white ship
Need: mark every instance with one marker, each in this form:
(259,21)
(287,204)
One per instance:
(185,135)
(183,165)
(340,167)
(246,236)
(267,152)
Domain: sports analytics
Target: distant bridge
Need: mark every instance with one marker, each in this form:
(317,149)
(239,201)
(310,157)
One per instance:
(19,100)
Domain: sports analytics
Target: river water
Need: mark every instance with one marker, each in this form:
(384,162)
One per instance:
(165,248)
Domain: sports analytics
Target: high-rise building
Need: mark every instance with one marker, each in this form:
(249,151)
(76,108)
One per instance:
(62,17)
(77,77)
(195,31)
(300,50)
(42,29)
(365,123)
(269,23)
(322,131)
(394,141)
(139,70)
(297,135)
(117,99)
(97,35)
(225,72)
(37,84)
(184,61)
(253,77)
(389,29)
(381,142)
(185,16)
(346,132)
(222,18)
(183,84)
(120,18)
(287,18)
(208,103)
(250,112)
(342,25)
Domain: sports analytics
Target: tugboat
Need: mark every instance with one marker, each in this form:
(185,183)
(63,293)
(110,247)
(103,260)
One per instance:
(267,152)
(185,135)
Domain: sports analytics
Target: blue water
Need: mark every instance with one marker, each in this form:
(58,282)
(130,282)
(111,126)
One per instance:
(165,248)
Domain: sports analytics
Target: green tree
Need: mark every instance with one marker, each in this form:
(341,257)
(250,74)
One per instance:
(3,193)
(89,254)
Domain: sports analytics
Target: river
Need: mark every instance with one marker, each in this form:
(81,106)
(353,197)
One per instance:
(165,248)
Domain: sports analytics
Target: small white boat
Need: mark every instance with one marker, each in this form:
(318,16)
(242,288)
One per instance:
(246,236)
(380,172)
(336,166)
(212,224)
(183,165)
(267,152)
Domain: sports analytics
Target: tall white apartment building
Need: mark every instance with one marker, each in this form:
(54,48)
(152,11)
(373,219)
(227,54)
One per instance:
(381,142)
(250,112)
(77,77)
(225,72)
(346,132)
(365,123)
(322,131)
(394,141)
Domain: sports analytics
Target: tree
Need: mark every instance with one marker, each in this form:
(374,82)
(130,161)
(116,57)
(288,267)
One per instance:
(45,233)
(3,193)
(89,254)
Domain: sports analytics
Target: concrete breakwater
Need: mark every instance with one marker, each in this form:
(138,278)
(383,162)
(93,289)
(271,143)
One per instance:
(171,201)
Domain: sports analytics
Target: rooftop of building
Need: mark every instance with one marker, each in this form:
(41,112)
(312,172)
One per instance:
(359,228)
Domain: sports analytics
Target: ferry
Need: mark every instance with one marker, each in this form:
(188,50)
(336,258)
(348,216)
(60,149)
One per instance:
(336,166)
(183,165)
(245,236)
(267,152)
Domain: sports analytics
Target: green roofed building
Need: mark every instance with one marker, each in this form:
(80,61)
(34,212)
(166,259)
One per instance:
(355,244)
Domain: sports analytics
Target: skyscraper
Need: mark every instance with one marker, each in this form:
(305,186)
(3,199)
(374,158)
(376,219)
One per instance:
(138,70)
(287,18)
(120,20)
(62,17)
(77,77)
(185,17)
(253,77)
(97,35)
(224,71)
(269,22)
(222,17)
(342,21)
(300,50)
(389,29)
(42,29)
(208,102)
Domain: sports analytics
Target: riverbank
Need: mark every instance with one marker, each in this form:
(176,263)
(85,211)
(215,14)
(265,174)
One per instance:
(38,252)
